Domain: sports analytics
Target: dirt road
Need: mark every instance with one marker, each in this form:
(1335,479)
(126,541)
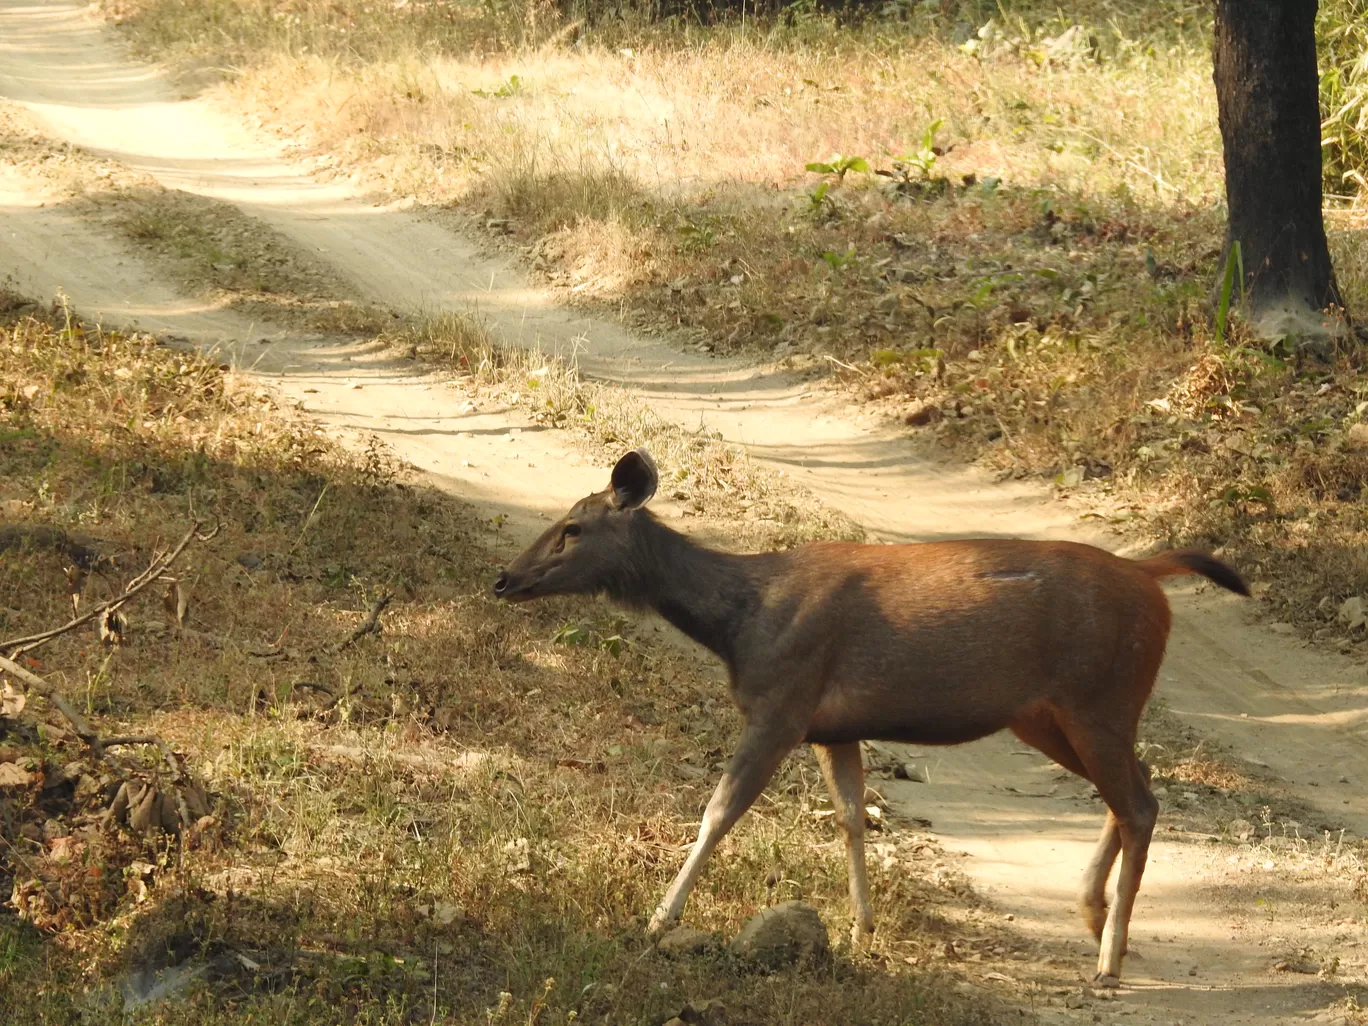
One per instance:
(1204,951)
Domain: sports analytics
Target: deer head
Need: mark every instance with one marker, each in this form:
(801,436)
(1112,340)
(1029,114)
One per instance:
(591,547)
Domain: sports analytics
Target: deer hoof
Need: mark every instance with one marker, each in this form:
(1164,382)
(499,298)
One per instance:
(1106,981)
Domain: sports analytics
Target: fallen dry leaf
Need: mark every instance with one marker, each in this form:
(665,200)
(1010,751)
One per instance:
(587,765)
(12,701)
(12,775)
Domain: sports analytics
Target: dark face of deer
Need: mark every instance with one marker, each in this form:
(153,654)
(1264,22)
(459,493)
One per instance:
(590,547)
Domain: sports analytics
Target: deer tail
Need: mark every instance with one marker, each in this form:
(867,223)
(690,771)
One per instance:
(1190,561)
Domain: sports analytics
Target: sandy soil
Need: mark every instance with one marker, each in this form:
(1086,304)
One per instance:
(1212,918)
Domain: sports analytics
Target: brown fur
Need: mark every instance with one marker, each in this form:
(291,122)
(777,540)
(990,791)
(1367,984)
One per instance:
(937,643)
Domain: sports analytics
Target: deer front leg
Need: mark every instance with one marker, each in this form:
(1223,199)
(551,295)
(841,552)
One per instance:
(843,769)
(761,750)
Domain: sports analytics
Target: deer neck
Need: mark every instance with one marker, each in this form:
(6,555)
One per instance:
(704,593)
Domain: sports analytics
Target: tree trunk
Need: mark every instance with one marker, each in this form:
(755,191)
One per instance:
(1267,93)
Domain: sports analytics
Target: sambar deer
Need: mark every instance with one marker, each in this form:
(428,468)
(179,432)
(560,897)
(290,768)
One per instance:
(936,643)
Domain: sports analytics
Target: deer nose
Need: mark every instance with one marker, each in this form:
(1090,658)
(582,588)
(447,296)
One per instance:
(501,582)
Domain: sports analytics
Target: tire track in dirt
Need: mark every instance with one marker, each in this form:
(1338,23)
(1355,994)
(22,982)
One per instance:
(1295,709)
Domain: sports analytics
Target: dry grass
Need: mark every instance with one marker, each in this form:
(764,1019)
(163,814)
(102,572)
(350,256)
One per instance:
(1205,787)
(215,250)
(733,497)
(482,809)
(1037,290)
(207,246)
(667,167)
(64,170)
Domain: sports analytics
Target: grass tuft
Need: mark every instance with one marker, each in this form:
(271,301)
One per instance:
(717,481)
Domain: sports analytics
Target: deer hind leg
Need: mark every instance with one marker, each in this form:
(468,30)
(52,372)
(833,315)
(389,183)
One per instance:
(761,750)
(1042,732)
(1123,781)
(1093,898)
(843,769)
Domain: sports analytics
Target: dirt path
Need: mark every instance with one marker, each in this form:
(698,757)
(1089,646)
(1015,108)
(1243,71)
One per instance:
(1296,710)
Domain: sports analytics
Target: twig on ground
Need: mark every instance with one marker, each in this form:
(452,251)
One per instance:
(309,519)
(41,687)
(84,730)
(1007,435)
(271,653)
(370,625)
(18,646)
(312,685)
(846,366)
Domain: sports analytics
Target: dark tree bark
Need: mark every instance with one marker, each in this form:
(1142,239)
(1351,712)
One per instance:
(1267,92)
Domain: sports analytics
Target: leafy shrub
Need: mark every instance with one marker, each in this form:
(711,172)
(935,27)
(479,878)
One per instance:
(1342,35)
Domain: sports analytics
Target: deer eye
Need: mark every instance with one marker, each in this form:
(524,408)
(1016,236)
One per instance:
(569,531)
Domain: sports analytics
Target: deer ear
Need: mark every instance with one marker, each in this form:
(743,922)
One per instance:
(634,480)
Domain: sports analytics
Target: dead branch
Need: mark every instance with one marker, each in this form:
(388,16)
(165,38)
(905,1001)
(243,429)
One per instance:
(130,739)
(41,687)
(98,748)
(312,685)
(35,683)
(272,653)
(184,786)
(370,625)
(172,763)
(847,366)
(18,646)
(175,803)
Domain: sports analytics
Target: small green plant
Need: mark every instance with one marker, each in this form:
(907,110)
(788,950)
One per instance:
(984,287)
(913,173)
(512,87)
(917,361)
(1342,41)
(603,634)
(820,204)
(14,954)
(1274,359)
(1236,496)
(1234,265)
(840,261)
(694,236)
(839,165)
(923,158)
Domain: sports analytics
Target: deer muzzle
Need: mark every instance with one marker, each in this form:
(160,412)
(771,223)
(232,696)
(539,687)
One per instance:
(515,587)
